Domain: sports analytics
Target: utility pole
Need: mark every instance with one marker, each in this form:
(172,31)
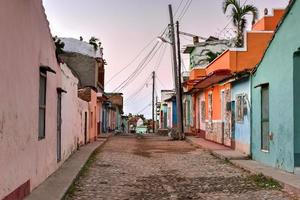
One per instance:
(179,80)
(176,81)
(153,105)
(156,100)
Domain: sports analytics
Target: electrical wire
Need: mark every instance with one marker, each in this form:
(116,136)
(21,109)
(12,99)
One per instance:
(144,108)
(186,8)
(139,68)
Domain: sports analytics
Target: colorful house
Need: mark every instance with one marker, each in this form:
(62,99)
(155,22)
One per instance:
(165,109)
(30,82)
(275,97)
(115,111)
(226,87)
(194,99)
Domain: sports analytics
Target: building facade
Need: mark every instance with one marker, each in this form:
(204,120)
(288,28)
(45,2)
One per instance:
(275,97)
(30,78)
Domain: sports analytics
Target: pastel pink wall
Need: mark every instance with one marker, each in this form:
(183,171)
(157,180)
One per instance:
(94,116)
(26,44)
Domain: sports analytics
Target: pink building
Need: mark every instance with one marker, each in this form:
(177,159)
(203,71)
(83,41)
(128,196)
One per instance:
(30,90)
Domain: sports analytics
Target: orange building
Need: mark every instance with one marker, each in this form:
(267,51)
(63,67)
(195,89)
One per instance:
(214,82)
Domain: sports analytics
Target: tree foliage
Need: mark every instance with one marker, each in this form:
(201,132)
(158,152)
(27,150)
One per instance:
(59,45)
(238,14)
(94,41)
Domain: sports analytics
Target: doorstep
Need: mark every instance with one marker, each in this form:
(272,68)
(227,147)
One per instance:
(217,150)
(56,185)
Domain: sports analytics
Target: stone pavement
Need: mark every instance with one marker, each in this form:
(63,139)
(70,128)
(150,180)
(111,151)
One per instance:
(217,150)
(156,168)
(290,182)
(56,186)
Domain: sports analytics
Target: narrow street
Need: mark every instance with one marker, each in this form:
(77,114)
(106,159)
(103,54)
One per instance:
(155,168)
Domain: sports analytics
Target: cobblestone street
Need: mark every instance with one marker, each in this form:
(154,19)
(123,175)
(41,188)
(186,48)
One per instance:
(155,168)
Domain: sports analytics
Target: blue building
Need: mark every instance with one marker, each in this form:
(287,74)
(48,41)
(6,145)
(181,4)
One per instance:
(241,115)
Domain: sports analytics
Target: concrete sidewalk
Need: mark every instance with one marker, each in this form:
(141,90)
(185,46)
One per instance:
(217,150)
(56,186)
(289,181)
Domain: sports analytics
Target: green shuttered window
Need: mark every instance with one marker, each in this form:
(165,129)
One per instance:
(265,117)
(42,104)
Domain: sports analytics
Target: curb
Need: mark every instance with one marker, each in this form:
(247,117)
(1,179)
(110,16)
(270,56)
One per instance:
(85,163)
(290,189)
(57,185)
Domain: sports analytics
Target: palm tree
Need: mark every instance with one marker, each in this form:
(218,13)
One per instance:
(211,56)
(238,14)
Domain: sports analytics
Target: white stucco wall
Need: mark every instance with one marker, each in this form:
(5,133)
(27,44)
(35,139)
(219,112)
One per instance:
(72,112)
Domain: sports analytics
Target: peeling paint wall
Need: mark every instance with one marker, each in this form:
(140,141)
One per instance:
(241,132)
(26,44)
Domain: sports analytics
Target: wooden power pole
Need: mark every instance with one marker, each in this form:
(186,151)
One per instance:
(176,79)
(153,103)
(179,80)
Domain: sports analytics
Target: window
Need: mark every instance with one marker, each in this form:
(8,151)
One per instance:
(202,111)
(210,106)
(42,103)
(239,108)
(265,117)
(92,117)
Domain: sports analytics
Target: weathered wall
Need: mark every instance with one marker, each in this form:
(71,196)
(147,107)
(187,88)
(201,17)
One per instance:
(277,69)
(26,44)
(170,114)
(73,109)
(94,116)
(198,57)
(218,119)
(83,66)
(241,132)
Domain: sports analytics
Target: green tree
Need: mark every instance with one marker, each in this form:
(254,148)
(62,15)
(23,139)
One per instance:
(210,56)
(94,41)
(238,15)
(59,47)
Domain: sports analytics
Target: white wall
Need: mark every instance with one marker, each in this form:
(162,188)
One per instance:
(72,111)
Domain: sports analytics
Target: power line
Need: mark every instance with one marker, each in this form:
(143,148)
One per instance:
(139,68)
(144,108)
(142,66)
(139,90)
(135,58)
(185,10)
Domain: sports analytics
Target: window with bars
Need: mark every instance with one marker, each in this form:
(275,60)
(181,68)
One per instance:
(42,104)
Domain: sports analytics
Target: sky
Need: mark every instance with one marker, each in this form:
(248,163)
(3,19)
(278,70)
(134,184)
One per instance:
(125,27)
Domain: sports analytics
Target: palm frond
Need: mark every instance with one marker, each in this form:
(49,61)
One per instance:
(250,9)
(228,3)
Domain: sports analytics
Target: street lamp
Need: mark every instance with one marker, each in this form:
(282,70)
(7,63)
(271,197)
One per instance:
(161,39)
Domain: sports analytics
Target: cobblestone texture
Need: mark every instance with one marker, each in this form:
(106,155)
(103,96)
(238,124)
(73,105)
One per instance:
(155,168)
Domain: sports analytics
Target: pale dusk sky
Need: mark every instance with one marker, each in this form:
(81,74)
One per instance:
(125,27)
